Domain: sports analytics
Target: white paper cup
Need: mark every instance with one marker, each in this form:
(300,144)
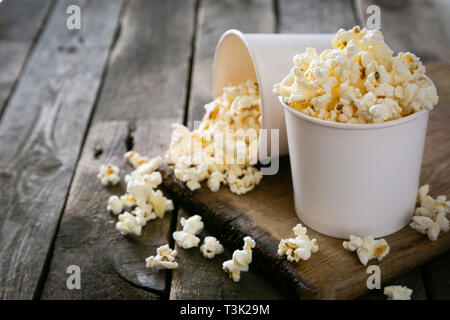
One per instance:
(265,58)
(355,179)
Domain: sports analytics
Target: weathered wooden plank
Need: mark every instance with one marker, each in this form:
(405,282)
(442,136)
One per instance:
(214,18)
(20,24)
(417,26)
(437,278)
(143,93)
(40,137)
(200,278)
(315,16)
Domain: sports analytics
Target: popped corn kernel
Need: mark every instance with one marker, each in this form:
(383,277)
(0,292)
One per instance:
(367,248)
(299,247)
(398,292)
(186,238)
(128,224)
(359,79)
(240,260)
(109,174)
(211,247)
(114,205)
(430,217)
(135,159)
(164,259)
(223,149)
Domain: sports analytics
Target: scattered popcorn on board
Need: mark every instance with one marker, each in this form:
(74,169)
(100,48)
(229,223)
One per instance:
(299,247)
(109,175)
(398,292)
(187,237)
(367,248)
(240,260)
(164,259)
(223,150)
(430,217)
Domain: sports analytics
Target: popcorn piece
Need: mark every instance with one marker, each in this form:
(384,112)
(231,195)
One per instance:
(211,247)
(187,237)
(224,147)
(430,217)
(299,247)
(114,205)
(367,248)
(358,81)
(128,224)
(398,292)
(134,158)
(109,174)
(142,199)
(165,259)
(240,261)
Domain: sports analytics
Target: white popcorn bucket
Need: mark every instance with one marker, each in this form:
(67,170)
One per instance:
(265,58)
(355,179)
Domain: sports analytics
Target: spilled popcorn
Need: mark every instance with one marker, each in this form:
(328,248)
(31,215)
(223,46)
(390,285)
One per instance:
(398,293)
(240,261)
(224,148)
(299,247)
(187,237)
(430,217)
(211,247)
(143,202)
(367,248)
(359,81)
(164,259)
(109,175)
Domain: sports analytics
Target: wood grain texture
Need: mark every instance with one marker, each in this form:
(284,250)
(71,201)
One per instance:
(436,277)
(200,278)
(214,18)
(417,26)
(267,214)
(143,93)
(40,137)
(310,16)
(20,24)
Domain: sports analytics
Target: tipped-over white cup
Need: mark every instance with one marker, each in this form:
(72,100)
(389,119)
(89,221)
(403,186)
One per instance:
(265,58)
(355,179)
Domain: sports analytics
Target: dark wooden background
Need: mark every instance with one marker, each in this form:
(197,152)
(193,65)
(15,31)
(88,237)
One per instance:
(71,100)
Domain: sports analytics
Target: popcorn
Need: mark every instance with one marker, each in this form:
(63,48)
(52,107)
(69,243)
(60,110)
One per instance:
(165,259)
(367,248)
(109,174)
(187,237)
(224,147)
(398,293)
(211,247)
(299,247)
(135,159)
(143,201)
(114,205)
(430,217)
(240,261)
(128,224)
(358,81)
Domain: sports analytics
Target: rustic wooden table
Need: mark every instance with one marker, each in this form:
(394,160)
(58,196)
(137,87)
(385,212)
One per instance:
(73,99)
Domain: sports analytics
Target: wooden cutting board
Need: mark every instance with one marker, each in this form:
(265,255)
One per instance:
(267,215)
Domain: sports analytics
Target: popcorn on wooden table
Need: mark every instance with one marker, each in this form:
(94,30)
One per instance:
(187,237)
(240,260)
(430,217)
(164,259)
(358,81)
(224,148)
(367,248)
(211,247)
(299,247)
(398,292)
(142,200)
(109,174)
